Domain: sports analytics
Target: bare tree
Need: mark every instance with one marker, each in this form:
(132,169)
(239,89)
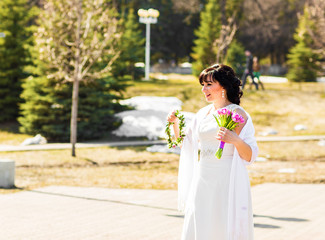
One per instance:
(268,27)
(77,39)
(192,6)
(226,36)
(316,10)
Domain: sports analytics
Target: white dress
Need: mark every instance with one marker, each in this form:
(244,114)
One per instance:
(207,216)
(214,193)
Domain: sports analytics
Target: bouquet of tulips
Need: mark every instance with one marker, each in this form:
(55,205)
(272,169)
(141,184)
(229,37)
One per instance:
(228,120)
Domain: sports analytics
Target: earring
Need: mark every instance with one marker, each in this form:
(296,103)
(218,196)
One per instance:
(223,94)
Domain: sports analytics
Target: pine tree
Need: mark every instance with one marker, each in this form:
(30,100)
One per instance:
(15,16)
(301,58)
(75,47)
(47,108)
(131,48)
(236,57)
(208,31)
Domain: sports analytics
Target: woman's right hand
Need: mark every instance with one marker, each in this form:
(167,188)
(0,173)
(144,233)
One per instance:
(171,117)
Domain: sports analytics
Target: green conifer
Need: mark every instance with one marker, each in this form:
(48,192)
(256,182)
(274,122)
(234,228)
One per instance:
(47,94)
(15,16)
(236,57)
(47,108)
(301,58)
(210,25)
(131,46)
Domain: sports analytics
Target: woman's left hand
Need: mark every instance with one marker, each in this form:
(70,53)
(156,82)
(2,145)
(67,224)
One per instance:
(227,136)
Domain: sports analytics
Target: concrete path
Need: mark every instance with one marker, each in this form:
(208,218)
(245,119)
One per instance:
(57,146)
(281,212)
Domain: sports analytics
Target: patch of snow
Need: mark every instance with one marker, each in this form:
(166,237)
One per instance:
(162,77)
(300,127)
(321,143)
(273,79)
(164,104)
(163,149)
(141,123)
(268,132)
(149,117)
(261,159)
(287,170)
(321,79)
(38,139)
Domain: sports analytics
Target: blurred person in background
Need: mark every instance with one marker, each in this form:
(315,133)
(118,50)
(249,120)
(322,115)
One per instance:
(248,69)
(256,72)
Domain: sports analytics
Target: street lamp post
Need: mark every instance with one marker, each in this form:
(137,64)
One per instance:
(148,17)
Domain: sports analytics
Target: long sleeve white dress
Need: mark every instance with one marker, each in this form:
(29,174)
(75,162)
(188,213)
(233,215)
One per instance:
(215,193)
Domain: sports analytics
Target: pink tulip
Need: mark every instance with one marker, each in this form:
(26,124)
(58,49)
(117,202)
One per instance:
(238,118)
(224,111)
(235,117)
(227,119)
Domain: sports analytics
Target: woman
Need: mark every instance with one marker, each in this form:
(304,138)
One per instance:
(256,72)
(215,193)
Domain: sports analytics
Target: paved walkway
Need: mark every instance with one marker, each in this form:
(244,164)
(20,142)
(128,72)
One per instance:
(55,146)
(281,212)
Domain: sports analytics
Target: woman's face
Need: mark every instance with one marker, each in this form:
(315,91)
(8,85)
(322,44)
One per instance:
(212,90)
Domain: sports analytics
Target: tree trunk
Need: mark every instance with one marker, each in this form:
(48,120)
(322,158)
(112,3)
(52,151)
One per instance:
(218,56)
(74,116)
(76,80)
(223,12)
(224,22)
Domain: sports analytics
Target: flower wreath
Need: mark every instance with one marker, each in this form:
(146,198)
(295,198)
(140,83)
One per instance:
(173,144)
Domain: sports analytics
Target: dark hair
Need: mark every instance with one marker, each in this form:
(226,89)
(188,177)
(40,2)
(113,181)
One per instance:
(226,77)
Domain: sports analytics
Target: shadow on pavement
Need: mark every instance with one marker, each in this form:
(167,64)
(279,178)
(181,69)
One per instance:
(102,200)
(257,225)
(176,216)
(283,218)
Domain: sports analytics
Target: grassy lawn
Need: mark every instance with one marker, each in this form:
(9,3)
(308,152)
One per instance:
(136,168)
(279,107)
(104,167)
